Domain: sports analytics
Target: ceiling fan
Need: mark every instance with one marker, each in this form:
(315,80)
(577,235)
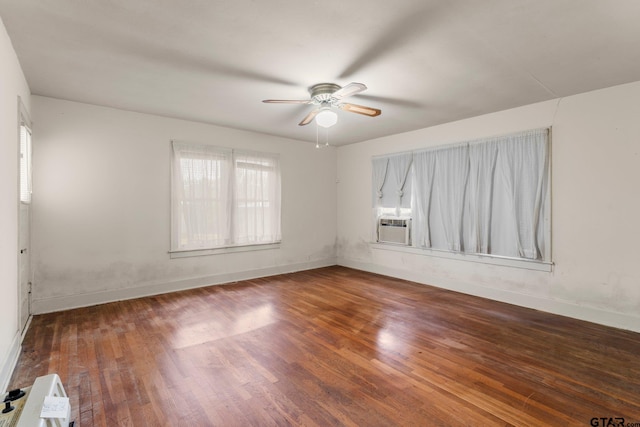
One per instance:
(326,96)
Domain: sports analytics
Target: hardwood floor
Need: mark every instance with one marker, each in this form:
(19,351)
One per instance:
(332,346)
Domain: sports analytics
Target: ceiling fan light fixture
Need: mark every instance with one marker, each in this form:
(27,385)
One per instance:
(326,96)
(326,118)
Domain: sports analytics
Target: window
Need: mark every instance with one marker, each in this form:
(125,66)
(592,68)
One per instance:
(486,197)
(25,163)
(223,198)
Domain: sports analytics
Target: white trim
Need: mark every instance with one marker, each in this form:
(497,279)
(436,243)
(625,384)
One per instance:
(24,119)
(223,250)
(26,328)
(10,362)
(548,211)
(528,264)
(48,305)
(560,307)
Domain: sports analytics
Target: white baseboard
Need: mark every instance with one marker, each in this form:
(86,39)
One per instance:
(563,308)
(10,361)
(49,305)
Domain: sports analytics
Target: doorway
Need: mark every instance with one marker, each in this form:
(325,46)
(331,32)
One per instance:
(24,220)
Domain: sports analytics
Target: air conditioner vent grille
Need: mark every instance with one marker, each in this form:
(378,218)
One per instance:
(391,222)
(394,230)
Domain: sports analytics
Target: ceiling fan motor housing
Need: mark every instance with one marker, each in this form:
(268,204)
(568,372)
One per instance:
(322,92)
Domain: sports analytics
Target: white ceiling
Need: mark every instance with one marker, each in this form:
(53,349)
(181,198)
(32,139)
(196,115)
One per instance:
(424,62)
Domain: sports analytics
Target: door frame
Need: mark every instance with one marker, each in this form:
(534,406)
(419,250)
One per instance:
(24,119)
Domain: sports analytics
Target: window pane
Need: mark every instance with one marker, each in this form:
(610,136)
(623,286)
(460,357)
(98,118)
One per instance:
(200,214)
(25,164)
(257,198)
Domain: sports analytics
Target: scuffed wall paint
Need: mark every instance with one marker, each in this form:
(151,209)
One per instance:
(359,250)
(102,203)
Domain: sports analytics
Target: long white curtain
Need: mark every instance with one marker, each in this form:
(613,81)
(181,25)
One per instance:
(201,185)
(482,168)
(522,161)
(256,211)
(452,170)
(423,168)
(485,196)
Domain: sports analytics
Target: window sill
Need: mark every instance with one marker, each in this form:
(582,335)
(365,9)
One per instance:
(224,250)
(480,258)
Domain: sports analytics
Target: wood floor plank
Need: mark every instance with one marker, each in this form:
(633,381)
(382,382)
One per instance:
(331,346)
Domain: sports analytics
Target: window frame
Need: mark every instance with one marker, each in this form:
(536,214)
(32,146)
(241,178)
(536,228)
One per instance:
(26,164)
(229,157)
(545,263)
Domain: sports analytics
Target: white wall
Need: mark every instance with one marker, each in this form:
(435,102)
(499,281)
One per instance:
(12,86)
(595,209)
(102,196)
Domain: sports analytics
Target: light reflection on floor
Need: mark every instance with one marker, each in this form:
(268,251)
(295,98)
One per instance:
(388,341)
(207,330)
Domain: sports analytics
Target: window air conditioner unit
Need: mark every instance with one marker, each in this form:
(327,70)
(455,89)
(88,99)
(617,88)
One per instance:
(394,230)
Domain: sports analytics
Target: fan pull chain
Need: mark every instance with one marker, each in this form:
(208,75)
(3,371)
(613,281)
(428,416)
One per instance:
(326,136)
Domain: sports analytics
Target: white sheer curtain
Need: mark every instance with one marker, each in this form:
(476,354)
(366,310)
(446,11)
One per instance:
(379,168)
(222,197)
(390,176)
(201,185)
(522,162)
(399,166)
(423,171)
(485,196)
(256,210)
(451,173)
(482,167)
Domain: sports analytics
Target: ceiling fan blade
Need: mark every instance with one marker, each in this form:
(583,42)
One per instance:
(392,101)
(348,90)
(309,118)
(287,101)
(360,109)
